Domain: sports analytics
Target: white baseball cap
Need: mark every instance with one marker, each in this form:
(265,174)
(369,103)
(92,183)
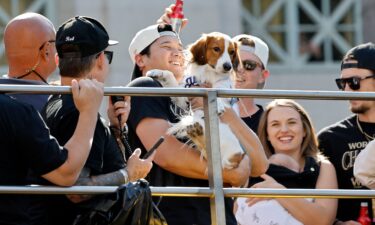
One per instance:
(260,48)
(145,37)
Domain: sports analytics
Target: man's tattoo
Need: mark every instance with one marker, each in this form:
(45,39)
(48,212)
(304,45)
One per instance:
(109,179)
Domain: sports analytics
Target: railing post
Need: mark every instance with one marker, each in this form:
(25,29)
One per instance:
(214,158)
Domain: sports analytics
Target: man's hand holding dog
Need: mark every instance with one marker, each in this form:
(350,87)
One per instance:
(197,102)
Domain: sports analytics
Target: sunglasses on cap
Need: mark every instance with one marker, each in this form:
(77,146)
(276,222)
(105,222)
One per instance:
(353,82)
(249,65)
(108,54)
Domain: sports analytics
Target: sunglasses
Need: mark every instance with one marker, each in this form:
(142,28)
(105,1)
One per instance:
(108,54)
(353,82)
(249,65)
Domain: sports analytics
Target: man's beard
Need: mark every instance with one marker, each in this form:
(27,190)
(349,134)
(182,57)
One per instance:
(359,110)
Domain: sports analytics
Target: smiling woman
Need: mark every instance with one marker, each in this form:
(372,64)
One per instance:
(285,128)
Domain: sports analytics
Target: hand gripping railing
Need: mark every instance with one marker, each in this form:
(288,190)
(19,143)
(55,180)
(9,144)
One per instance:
(215,192)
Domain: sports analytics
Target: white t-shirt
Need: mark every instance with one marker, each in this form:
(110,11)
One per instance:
(267,212)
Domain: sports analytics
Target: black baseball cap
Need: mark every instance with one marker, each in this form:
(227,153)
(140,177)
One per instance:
(364,54)
(80,37)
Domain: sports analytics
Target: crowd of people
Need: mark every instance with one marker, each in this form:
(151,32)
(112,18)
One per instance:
(63,140)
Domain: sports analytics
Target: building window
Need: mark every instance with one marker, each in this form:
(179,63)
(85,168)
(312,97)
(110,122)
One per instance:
(301,32)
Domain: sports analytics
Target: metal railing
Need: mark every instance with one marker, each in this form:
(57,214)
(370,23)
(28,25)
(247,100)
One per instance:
(215,191)
(196,191)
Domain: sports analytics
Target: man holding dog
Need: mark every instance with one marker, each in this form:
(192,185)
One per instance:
(177,164)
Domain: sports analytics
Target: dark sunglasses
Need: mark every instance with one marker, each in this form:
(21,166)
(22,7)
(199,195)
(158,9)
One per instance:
(108,54)
(353,82)
(249,65)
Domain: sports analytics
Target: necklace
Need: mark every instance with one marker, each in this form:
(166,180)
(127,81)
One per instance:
(244,108)
(33,70)
(29,72)
(368,137)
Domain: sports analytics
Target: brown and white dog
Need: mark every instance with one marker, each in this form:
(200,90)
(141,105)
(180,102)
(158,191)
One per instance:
(212,59)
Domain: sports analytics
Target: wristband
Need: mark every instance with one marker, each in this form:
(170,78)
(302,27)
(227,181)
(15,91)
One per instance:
(124,172)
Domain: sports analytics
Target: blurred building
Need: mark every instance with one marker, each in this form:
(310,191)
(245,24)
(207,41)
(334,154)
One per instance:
(307,38)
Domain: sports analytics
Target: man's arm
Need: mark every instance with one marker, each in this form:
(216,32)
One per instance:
(137,168)
(110,179)
(87,95)
(180,159)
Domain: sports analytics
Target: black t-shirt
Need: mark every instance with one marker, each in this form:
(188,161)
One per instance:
(105,156)
(341,143)
(291,179)
(253,120)
(25,145)
(177,210)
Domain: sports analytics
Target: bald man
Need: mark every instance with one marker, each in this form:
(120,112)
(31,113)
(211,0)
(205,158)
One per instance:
(29,41)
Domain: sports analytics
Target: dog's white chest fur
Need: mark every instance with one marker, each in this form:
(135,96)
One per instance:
(193,125)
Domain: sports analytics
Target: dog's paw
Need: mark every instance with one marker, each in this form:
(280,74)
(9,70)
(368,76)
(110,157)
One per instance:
(179,129)
(165,77)
(195,130)
(221,105)
(196,134)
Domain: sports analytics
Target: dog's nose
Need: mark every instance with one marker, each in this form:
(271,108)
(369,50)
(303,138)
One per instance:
(227,66)
(236,159)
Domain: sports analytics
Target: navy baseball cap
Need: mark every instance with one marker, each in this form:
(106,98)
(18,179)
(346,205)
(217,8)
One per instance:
(80,37)
(364,54)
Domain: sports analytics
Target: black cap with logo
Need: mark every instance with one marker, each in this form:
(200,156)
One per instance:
(80,37)
(364,54)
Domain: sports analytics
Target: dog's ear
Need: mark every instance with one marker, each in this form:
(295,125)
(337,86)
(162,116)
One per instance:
(198,50)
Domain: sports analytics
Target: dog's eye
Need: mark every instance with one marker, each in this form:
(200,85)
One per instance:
(216,49)
(231,52)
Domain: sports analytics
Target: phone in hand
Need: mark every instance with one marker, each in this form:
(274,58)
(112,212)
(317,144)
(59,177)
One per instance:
(114,99)
(117,98)
(154,147)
